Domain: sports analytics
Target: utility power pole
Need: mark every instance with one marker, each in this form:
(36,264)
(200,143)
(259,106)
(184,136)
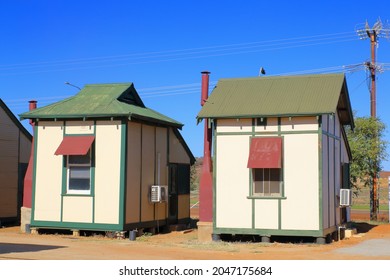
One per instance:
(373,34)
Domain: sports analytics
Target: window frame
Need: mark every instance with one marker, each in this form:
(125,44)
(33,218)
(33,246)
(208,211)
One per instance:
(68,174)
(268,194)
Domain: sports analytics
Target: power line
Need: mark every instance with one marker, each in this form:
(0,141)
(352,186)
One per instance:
(180,54)
(150,92)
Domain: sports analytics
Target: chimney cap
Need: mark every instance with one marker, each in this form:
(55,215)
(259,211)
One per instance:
(32,101)
(205,72)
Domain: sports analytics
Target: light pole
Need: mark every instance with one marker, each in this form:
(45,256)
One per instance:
(69,84)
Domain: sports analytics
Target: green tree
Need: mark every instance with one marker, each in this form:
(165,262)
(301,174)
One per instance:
(368,149)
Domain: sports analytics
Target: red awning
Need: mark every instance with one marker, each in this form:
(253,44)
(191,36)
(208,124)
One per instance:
(75,145)
(265,152)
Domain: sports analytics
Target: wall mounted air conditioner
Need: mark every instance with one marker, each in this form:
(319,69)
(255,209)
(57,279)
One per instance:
(345,197)
(158,194)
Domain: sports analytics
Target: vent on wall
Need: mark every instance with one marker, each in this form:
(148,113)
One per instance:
(158,194)
(345,197)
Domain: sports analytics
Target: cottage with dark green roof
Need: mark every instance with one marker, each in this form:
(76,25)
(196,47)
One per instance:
(104,161)
(280,156)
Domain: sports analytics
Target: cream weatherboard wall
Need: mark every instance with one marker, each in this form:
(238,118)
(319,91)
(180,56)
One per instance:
(234,206)
(300,209)
(301,173)
(108,148)
(128,157)
(313,151)
(50,204)
(47,184)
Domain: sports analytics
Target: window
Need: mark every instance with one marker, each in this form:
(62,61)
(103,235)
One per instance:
(265,162)
(266,182)
(79,174)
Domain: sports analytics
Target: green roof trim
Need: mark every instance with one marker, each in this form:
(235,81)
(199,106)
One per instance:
(304,95)
(101,101)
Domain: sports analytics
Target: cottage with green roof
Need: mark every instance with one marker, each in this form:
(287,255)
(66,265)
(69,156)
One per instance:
(280,155)
(104,161)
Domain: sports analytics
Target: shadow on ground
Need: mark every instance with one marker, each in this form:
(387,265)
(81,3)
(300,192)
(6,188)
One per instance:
(6,248)
(362,227)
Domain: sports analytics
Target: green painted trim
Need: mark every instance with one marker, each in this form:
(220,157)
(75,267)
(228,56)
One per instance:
(80,195)
(320,170)
(155,167)
(81,226)
(253,202)
(140,174)
(64,177)
(334,172)
(214,162)
(233,133)
(280,214)
(253,213)
(328,164)
(267,197)
(168,145)
(279,132)
(34,171)
(123,177)
(93,166)
(270,232)
(283,172)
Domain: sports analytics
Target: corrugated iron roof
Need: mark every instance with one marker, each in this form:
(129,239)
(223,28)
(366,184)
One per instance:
(101,100)
(279,96)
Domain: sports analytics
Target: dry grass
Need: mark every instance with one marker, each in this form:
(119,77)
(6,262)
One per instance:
(362,201)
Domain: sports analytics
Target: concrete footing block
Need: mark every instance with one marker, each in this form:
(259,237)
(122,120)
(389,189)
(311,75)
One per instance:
(205,231)
(350,232)
(25,218)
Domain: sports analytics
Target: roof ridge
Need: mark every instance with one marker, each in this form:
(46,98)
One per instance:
(107,84)
(283,76)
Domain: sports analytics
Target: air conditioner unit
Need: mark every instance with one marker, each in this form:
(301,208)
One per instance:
(158,194)
(345,197)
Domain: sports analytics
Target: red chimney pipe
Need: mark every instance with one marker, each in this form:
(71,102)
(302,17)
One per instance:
(32,105)
(206,180)
(27,188)
(205,87)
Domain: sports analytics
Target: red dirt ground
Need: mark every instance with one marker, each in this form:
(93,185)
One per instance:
(180,246)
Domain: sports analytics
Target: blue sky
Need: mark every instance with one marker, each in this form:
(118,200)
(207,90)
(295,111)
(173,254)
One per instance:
(162,46)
